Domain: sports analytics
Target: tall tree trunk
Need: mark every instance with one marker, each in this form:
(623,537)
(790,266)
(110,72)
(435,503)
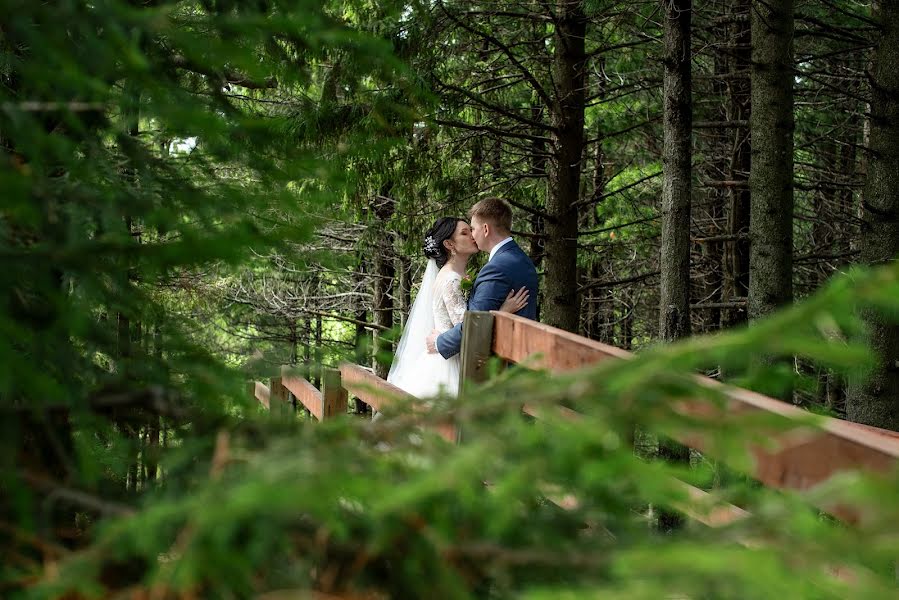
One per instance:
(736,250)
(293,336)
(363,343)
(129,421)
(875,399)
(560,284)
(538,170)
(674,314)
(382,304)
(308,366)
(319,354)
(771,178)
(404,283)
(383,309)
(716,197)
(597,298)
(674,261)
(151,463)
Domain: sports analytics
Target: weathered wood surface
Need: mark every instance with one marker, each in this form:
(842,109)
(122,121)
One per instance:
(708,510)
(305,393)
(377,393)
(334,396)
(540,346)
(701,507)
(370,388)
(261,393)
(799,459)
(279,399)
(807,455)
(477,344)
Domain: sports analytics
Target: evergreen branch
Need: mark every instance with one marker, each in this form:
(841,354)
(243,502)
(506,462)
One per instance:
(505,50)
(621,46)
(491,129)
(607,284)
(606,136)
(622,226)
(496,108)
(593,199)
(229,76)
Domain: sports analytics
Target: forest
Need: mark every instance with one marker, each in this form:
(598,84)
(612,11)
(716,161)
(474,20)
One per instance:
(197,194)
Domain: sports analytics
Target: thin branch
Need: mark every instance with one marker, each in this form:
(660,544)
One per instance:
(623,225)
(494,130)
(607,284)
(499,109)
(56,490)
(505,50)
(229,76)
(595,199)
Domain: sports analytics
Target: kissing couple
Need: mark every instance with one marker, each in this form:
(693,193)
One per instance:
(427,357)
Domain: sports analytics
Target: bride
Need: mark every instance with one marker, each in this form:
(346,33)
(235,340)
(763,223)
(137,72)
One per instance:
(439,305)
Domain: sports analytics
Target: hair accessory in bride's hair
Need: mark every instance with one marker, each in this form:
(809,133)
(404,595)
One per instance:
(434,245)
(431,246)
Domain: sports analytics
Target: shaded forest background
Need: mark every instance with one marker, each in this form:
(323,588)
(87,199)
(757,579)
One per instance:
(196,193)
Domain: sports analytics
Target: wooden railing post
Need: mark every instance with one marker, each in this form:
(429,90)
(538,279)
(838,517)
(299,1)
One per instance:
(334,396)
(477,347)
(259,391)
(279,399)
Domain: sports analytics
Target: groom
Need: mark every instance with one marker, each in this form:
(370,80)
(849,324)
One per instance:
(508,268)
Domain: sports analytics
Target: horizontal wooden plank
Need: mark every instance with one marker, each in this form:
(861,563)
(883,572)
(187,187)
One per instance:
(702,507)
(877,430)
(378,394)
(370,388)
(708,510)
(799,460)
(540,346)
(262,393)
(303,391)
(806,456)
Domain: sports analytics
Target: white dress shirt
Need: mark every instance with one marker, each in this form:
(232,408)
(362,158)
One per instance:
(494,250)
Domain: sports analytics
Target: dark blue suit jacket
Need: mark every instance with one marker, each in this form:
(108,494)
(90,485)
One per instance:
(510,268)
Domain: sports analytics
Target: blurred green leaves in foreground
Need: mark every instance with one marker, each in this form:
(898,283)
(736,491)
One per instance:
(142,142)
(389,508)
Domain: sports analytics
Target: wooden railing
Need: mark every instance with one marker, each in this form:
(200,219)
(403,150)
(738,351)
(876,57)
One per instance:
(331,400)
(799,457)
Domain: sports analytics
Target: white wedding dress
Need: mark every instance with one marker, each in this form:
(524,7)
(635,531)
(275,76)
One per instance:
(439,305)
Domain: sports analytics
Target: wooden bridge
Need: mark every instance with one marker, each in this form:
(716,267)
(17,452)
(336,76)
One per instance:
(798,458)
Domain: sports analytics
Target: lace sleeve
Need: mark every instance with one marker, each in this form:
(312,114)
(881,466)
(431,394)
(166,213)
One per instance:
(455,302)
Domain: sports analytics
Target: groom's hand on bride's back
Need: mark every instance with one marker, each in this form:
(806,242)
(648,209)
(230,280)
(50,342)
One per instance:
(431,341)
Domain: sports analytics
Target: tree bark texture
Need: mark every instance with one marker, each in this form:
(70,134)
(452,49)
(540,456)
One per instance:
(562,307)
(674,261)
(736,251)
(382,303)
(771,177)
(874,400)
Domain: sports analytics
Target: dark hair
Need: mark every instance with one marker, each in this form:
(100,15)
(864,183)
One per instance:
(443,229)
(495,211)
